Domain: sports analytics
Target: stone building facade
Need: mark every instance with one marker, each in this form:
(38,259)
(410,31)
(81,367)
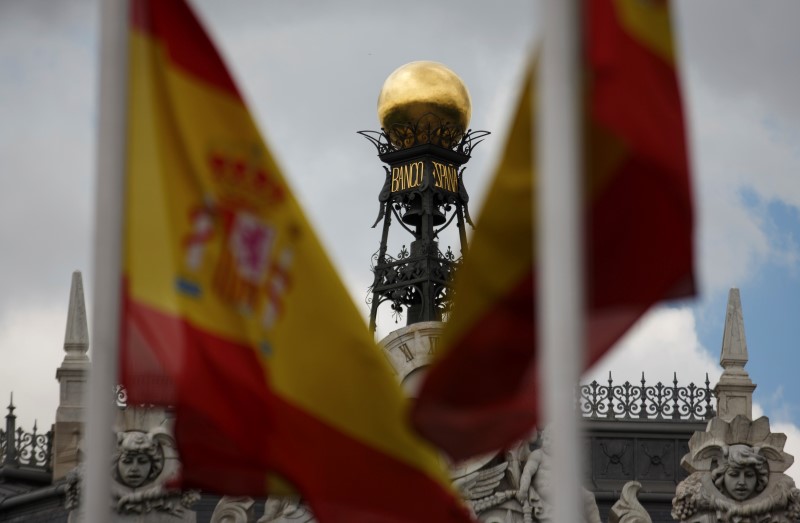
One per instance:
(638,437)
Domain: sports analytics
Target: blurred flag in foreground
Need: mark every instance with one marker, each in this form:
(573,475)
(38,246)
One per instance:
(232,313)
(483,393)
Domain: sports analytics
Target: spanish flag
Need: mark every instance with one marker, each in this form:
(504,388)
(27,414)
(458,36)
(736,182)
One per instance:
(483,393)
(232,313)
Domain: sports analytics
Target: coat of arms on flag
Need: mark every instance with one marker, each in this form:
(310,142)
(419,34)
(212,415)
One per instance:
(229,233)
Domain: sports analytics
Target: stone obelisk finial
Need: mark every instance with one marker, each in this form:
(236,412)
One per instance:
(735,389)
(76,337)
(71,376)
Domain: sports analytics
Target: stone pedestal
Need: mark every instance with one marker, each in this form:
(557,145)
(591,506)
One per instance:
(734,397)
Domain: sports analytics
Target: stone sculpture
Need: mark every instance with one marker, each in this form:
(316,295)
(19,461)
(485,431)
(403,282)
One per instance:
(139,458)
(514,487)
(737,476)
(144,462)
(535,486)
(139,480)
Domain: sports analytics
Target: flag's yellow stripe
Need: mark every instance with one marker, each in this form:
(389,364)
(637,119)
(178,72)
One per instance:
(506,225)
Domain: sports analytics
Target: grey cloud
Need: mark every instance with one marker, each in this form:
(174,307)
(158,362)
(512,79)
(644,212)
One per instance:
(745,48)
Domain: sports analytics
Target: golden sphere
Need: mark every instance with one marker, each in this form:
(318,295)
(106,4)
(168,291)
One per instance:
(419,88)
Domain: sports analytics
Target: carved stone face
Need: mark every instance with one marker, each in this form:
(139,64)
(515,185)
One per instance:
(134,468)
(740,482)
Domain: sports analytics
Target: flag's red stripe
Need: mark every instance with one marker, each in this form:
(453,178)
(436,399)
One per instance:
(634,93)
(640,227)
(639,248)
(499,353)
(364,484)
(218,389)
(227,432)
(141,20)
(483,393)
(363,487)
(188,46)
(640,236)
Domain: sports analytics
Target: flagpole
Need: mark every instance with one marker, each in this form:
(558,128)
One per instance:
(111,147)
(559,251)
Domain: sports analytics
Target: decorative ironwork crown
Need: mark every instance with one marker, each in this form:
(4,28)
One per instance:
(429,129)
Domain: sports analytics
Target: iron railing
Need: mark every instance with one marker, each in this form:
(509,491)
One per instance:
(646,402)
(25,449)
(624,401)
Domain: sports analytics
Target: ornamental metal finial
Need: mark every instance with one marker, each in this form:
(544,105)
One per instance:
(422,88)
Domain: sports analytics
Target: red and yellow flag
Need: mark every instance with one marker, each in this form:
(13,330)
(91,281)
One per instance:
(483,393)
(232,313)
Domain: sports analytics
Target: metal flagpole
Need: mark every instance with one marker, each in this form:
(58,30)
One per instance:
(559,251)
(109,209)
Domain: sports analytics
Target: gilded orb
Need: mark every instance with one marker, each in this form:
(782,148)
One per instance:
(424,88)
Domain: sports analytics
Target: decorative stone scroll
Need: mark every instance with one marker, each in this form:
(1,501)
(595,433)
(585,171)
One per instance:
(737,476)
(276,510)
(233,509)
(628,509)
(285,510)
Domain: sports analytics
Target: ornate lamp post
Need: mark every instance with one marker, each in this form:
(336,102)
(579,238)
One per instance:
(424,109)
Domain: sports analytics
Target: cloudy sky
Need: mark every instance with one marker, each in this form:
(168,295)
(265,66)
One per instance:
(311,73)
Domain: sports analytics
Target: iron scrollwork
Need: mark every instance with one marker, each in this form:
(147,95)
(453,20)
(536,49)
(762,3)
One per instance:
(399,279)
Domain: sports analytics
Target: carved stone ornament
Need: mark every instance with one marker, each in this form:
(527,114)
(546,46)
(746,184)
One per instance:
(233,509)
(628,509)
(142,466)
(285,510)
(737,476)
(276,510)
(139,474)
